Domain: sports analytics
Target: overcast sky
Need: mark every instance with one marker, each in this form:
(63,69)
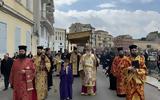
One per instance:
(134,17)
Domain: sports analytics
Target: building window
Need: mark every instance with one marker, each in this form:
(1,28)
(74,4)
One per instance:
(56,37)
(17,38)
(42,32)
(149,46)
(28,40)
(28,4)
(18,0)
(3,37)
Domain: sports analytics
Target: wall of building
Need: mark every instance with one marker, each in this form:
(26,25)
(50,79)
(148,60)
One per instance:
(59,39)
(21,7)
(143,44)
(13,22)
(44,19)
(123,41)
(103,39)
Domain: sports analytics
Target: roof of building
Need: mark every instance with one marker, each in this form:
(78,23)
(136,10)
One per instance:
(83,25)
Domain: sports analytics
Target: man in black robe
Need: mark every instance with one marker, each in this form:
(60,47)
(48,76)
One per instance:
(112,79)
(50,80)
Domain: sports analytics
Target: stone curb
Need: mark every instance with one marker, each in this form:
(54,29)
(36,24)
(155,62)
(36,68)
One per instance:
(151,84)
(156,85)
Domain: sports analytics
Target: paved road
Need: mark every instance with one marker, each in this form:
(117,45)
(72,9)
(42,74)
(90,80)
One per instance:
(103,92)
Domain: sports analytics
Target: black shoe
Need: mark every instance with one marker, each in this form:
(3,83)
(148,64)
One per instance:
(121,95)
(5,89)
(112,89)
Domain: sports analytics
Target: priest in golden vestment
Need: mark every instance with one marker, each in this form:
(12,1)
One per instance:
(135,75)
(87,70)
(74,60)
(42,64)
(58,62)
(120,63)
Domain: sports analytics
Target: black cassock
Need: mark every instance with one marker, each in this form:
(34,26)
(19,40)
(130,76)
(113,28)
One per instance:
(112,79)
(50,79)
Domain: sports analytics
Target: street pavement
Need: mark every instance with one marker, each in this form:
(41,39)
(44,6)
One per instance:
(103,93)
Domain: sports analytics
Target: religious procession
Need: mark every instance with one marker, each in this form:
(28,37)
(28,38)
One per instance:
(79,50)
(31,77)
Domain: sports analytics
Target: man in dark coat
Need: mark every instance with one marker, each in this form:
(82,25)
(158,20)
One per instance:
(105,59)
(112,79)
(6,65)
(50,80)
(65,55)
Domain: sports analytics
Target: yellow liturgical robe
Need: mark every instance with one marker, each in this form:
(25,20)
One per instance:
(42,67)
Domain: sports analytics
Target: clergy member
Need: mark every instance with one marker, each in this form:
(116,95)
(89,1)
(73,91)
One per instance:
(22,77)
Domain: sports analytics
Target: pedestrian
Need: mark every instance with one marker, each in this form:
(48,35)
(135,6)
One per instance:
(135,75)
(0,67)
(112,78)
(120,63)
(50,78)
(30,55)
(22,77)
(66,81)
(58,62)
(88,70)
(158,61)
(15,55)
(65,55)
(42,65)
(6,65)
(74,60)
(103,60)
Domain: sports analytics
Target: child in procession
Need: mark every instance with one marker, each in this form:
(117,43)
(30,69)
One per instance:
(66,81)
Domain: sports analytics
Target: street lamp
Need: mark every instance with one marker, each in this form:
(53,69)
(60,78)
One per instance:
(1,3)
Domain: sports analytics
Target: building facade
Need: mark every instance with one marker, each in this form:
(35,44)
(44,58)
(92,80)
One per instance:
(147,44)
(16,25)
(44,19)
(123,41)
(153,36)
(103,39)
(59,39)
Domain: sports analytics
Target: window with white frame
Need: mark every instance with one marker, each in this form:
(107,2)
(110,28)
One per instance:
(18,0)
(28,40)
(17,38)
(3,37)
(29,5)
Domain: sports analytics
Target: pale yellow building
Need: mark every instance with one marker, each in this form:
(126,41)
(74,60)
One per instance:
(147,44)
(16,26)
(103,39)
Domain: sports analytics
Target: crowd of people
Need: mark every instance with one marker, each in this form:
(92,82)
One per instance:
(127,72)
(30,76)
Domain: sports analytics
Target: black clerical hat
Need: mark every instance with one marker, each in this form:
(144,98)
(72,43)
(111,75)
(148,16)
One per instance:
(120,48)
(22,47)
(47,49)
(40,47)
(75,48)
(133,47)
